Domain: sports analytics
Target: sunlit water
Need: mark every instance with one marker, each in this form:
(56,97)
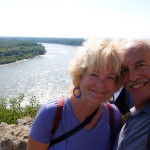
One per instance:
(46,76)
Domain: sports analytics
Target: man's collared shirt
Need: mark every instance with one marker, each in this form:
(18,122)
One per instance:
(134,134)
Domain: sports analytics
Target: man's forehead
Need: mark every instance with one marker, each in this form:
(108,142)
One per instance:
(135,50)
(129,45)
(135,45)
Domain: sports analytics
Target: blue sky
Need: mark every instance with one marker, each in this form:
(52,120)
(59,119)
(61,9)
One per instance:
(75,18)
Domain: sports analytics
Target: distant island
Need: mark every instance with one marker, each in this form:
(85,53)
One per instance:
(12,50)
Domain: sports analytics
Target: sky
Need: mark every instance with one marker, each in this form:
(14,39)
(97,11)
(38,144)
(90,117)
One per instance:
(75,18)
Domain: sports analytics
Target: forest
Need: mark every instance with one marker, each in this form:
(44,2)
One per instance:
(65,41)
(12,50)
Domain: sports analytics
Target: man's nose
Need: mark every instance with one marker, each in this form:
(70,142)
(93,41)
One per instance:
(133,75)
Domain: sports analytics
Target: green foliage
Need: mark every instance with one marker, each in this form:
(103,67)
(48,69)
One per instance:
(13,50)
(31,109)
(65,41)
(11,109)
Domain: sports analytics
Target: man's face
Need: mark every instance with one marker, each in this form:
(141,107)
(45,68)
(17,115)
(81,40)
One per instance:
(136,74)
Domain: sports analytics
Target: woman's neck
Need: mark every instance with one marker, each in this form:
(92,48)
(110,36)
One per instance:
(82,108)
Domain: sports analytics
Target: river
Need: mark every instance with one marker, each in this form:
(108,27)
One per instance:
(45,76)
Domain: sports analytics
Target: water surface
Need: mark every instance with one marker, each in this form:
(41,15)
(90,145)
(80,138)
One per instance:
(46,76)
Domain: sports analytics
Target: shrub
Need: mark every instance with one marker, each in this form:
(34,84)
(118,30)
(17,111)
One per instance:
(11,109)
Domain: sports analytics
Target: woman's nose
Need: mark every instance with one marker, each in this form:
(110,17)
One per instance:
(100,82)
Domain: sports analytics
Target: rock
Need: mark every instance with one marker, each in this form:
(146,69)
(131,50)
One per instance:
(7,144)
(15,136)
(22,146)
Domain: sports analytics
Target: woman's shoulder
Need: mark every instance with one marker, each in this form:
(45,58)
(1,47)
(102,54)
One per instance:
(109,106)
(113,111)
(47,111)
(52,105)
(114,115)
(49,106)
(115,108)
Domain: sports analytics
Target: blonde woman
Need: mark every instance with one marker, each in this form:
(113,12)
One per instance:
(95,73)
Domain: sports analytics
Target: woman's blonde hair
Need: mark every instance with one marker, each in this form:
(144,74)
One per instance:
(96,54)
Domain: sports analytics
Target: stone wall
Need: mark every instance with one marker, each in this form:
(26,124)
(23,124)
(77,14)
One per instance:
(15,136)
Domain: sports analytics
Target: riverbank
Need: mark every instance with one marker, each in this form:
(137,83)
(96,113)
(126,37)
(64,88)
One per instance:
(19,61)
(14,50)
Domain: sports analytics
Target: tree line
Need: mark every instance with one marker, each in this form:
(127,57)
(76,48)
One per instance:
(12,50)
(65,41)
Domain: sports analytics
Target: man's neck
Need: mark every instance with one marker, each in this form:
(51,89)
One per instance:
(141,106)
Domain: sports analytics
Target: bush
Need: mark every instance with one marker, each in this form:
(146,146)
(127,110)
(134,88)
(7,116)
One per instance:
(11,109)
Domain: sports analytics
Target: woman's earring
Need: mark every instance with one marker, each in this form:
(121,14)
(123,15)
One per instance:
(111,100)
(77,92)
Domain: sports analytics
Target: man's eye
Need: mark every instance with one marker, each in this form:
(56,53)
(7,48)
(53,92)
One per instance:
(140,65)
(94,75)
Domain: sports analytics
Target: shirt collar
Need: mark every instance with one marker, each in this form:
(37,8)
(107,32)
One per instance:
(146,110)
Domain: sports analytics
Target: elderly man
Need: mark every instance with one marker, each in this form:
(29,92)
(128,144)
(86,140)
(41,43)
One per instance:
(136,79)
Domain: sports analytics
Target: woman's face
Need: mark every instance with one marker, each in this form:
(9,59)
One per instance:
(98,86)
